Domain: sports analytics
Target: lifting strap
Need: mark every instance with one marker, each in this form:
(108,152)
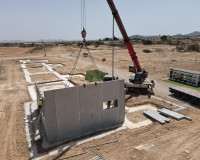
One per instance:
(83,44)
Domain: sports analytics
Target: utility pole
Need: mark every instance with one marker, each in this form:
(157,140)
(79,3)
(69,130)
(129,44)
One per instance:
(1,65)
(113,50)
(44,50)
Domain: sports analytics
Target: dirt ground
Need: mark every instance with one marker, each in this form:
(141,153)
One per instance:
(13,93)
(50,87)
(78,81)
(136,117)
(44,77)
(178,140)
(34,65)
(38,70)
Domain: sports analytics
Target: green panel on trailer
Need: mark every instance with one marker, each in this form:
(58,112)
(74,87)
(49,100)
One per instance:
(95,75)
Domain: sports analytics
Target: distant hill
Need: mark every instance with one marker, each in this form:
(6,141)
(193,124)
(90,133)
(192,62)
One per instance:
(141,37)
(196,33)
(40,40)
(12,41)
(193,34)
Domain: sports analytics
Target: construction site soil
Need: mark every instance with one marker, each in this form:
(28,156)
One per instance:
(44,77)
(177,140)
(38,70)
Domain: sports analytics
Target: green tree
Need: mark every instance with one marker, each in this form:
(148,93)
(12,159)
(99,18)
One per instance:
(106,39)
(147,42)
(164,37)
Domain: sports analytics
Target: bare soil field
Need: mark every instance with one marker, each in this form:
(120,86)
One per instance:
(44,77)
(13,93)
(49,87)
(13,51)
(177,140)
(34,65)
(156,63)
(37,70)
(136,117)
(78,81)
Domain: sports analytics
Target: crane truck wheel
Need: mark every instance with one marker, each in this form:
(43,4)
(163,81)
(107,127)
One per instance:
(184,97)
(177,94)
(193,101)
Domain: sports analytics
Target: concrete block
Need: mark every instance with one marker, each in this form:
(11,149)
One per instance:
(173,114)
(156,116)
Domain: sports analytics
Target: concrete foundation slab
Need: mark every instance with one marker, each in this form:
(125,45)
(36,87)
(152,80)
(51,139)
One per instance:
(173,114)
(156,116)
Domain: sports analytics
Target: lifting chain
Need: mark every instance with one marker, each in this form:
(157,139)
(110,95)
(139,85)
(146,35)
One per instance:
(84,44)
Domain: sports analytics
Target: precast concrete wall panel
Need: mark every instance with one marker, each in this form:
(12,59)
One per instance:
(110,117)
(50,119)
(121,102)
(67,112)
(90,107)
(110,91)
(73,112)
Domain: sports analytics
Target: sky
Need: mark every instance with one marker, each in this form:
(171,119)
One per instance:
(32,20)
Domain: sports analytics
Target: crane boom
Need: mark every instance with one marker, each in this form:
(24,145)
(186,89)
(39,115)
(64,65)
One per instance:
(125,36)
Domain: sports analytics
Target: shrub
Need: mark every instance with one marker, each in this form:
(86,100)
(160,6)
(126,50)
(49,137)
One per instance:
(179,48)
(164,38)
(85,54)
(147,42)
(103,59)
(146,51)
(107,39)
(99,43)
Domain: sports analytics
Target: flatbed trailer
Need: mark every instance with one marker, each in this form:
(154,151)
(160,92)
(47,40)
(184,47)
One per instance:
(186,94)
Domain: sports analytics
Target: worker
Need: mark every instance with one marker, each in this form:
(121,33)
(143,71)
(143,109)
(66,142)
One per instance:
(40,104)
(185,78)
(176,77)
(150,91)
(179,77)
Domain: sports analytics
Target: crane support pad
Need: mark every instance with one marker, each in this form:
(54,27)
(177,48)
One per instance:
(173,114)
(156,116)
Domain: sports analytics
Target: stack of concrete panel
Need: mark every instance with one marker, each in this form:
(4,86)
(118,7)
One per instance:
(173,114)
(156,116)
(77,111)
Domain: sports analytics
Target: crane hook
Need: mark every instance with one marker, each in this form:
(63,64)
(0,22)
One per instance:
(84,33)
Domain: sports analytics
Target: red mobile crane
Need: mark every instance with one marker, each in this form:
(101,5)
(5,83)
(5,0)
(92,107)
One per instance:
(137,80)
